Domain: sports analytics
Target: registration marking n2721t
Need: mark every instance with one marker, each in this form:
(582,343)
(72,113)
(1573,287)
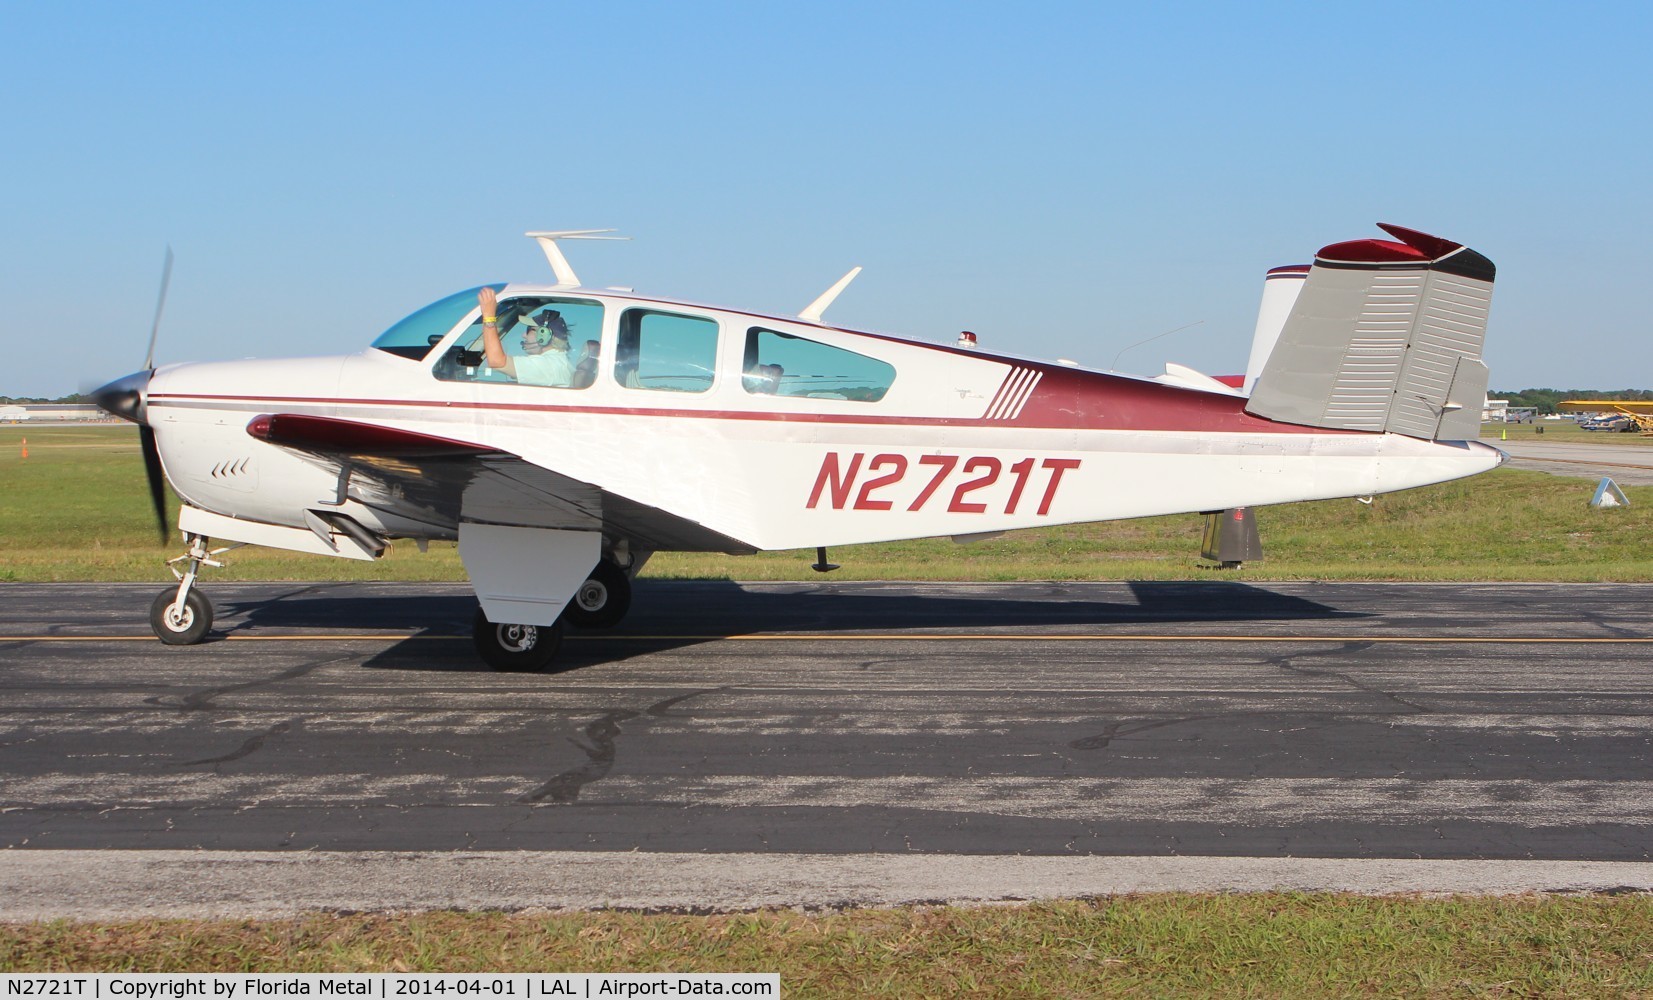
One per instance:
(857,482)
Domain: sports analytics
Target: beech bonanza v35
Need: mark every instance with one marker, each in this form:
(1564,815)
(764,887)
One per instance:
(665,425)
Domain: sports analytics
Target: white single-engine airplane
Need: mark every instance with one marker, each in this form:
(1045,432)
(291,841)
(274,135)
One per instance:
(600,426)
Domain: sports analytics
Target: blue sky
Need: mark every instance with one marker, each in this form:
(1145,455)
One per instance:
(1064,179)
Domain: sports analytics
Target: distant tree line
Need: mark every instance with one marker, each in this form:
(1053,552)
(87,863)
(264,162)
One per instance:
(73,397)
(1545,400)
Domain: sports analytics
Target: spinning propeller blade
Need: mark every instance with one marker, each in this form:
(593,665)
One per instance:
(160,303)
(157,478)
(127,398)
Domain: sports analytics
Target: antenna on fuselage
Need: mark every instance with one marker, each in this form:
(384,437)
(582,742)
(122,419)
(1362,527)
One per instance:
(1150,340)
(812,312)
(566,278)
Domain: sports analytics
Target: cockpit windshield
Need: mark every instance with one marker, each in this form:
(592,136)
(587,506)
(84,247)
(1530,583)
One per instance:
(414,336)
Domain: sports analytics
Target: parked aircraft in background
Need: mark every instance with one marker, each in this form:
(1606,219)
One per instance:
(1614,414)
(670,425)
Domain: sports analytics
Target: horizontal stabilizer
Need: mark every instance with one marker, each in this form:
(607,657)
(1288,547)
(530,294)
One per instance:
(1187,377)
(1385,336)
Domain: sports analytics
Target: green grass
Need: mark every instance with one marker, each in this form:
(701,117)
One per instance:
(76,510)
(1258,944)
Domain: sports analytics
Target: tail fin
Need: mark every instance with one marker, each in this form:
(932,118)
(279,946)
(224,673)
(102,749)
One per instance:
(1281,286)
(1384,337)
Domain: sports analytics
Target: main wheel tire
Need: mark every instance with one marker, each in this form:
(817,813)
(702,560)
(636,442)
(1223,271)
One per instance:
(515,648)
(191,623)
(602,600)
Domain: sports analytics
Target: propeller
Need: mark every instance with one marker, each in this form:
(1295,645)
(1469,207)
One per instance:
(128,398)
(157,478)
(160,303)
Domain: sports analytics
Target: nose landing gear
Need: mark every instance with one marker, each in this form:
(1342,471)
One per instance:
(180,623)
(183,616)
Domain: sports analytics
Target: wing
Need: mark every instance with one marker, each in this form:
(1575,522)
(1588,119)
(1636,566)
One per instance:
(439,482)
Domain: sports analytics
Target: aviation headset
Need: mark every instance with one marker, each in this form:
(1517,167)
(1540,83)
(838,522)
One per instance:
(546,324)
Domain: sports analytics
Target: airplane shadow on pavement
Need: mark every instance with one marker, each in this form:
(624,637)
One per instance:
(668,614)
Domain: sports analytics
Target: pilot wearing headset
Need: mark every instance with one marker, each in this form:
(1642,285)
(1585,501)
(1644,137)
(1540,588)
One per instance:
(544,359)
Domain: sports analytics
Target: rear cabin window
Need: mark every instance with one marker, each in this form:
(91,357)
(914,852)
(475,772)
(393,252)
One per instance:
(665,352)
(548,342)
(782,364)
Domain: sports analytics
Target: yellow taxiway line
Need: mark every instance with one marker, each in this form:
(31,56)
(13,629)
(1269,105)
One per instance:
(902,637)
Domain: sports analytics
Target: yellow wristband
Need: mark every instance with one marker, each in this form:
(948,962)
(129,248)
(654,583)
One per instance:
(489,319)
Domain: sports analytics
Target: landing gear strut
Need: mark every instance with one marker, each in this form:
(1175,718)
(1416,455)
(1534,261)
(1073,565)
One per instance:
(515,648)
(183,616)
(602,600)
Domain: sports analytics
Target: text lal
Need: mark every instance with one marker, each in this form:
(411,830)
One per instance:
(880,487)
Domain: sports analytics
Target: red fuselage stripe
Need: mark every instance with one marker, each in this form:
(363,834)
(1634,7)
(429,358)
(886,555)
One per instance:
(825,418)
(1196,422)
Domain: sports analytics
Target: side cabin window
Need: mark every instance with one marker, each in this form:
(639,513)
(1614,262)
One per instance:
(783,364)
(665,352)
(548,342)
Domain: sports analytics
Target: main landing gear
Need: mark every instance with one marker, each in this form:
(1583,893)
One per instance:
(182,616)
(602,600)
(515,648)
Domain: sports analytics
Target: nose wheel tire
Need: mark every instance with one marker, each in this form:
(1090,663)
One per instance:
(602,600)
(515,648)
(180,625)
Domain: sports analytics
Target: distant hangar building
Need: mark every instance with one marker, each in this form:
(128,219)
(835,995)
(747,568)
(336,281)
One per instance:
(52,413)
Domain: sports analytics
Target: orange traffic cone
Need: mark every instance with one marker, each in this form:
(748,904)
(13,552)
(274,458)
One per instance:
(25,447)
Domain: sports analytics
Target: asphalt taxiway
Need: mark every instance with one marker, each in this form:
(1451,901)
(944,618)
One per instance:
(340,746)
(1625,464)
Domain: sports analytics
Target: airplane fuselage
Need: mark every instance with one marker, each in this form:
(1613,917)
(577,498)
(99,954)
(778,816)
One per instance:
(957,442)
(562,434)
